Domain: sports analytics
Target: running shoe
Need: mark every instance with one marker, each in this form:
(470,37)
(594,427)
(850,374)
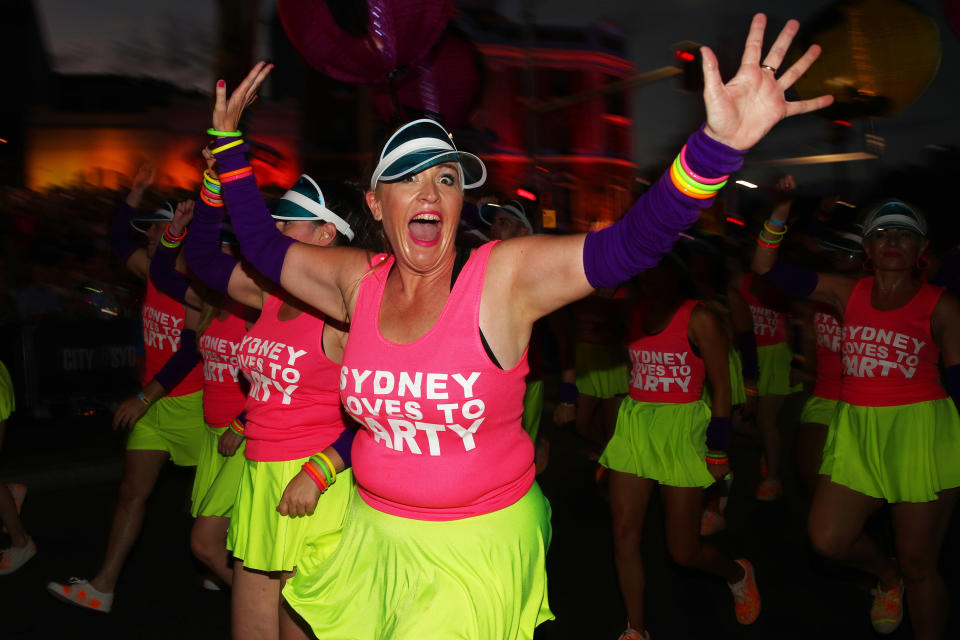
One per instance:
(79,592)
(711,522)
(633,634)
(887,610)
(746,596)
(12,558)
(210,584)
(769,490)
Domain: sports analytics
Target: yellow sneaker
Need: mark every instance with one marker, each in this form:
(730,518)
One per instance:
(887,610)
(746,596)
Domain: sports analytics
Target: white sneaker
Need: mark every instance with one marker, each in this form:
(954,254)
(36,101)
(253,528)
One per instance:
(79,592)
(12,558)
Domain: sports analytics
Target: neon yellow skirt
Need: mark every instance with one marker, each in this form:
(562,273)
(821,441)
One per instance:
(268,541)
(218,477)
(907,453)
(533,408)
(737,394)
(818,410)
(396,578)
(601,370)
(774,362)
(663,441)
(7,396)
(174,425)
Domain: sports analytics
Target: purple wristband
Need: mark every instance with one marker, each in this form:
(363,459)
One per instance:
(180,363)
(202,248)
(164,274)
(121,233)
(652,225)
(568,393)
(792,279)
(343,444)
(262,244)
(718,434)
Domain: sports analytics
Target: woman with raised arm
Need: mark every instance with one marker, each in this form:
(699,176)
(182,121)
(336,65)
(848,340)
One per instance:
(296,440)
(448,535)
(895,434)
(166,417)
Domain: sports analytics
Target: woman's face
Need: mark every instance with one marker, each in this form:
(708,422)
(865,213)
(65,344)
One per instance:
(420,215)
(894,249)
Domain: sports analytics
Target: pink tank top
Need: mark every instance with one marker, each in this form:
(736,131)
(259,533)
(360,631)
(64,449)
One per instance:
(223,396)
(889,357)
(664,367)
(162,325)
(442,437)
(293,410)
(768,324)
(829,335)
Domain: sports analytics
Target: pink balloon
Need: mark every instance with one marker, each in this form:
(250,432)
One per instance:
(399,33)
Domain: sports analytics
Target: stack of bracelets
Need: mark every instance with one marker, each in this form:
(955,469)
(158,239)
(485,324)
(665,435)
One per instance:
(210,190)
(171,241)
(235,141)
(689,183)
(321,471)
(774,242)
(717,457)
(751,390)
(237,427)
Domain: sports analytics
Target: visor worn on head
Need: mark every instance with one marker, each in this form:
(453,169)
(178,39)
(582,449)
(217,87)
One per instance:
(304,201)
(419,145)
(894,214)
(512,208)
(164,214)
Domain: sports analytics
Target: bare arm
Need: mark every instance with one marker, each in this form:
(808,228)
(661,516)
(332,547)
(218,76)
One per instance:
(709,338)
(946,329)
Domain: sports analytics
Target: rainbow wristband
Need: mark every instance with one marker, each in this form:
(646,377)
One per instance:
(678,166)
(237,427)
(171,241)
(309,469)
(693,175)
(751,391)
(322,458)
(224,134)
(686,189)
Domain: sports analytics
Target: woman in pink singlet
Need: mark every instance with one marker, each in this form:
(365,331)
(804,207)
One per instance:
(449,533)
(895,434)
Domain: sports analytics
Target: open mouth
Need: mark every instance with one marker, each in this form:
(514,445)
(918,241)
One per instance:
(425,228)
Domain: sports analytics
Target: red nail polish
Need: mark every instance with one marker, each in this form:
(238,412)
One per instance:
(220,83)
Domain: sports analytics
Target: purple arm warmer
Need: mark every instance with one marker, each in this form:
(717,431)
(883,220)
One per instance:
(164,274)
(792,279)
(746,344)
(202,250)
(718,434)
(649,229)
(343,444)
(262,244)
(181,362)
(121,233)
(952,376)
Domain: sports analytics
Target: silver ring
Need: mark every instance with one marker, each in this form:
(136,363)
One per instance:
(768,68)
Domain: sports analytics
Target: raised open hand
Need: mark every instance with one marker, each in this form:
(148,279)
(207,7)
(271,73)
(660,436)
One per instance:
(227,112)
(742,111)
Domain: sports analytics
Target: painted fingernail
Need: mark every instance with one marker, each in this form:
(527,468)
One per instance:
(220,83)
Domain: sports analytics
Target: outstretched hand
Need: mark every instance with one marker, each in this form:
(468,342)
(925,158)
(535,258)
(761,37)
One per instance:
(145,177)
(227,112)
(742,111)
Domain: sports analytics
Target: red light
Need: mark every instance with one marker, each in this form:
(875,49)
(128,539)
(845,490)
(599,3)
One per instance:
(736,221)
(523,193)
(544,169)
(843,123)
(684,55)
